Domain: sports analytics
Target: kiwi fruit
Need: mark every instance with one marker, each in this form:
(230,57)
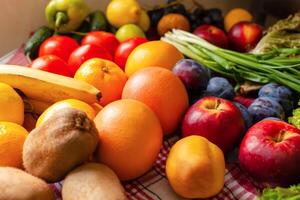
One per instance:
(60,144)
(16,184)
(92,181)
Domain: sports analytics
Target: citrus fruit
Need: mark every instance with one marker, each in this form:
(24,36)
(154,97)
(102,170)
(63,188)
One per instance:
(152,54)
(11,105)
(12,137)
(68,103)
(172,21)
(120,12)
(130,137)
(144,21)
(104,75)
(195,168)
(235,16)
(162,91)
(129,31)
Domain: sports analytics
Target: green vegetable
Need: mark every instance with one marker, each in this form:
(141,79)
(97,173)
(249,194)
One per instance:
(284,34)
(32,46)
(274,66)
(94,22)
(278,193)
(98,21)
(295,119)
(81,31)
(66,15)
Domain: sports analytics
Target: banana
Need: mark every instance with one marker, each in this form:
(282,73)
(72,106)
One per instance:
(47,87)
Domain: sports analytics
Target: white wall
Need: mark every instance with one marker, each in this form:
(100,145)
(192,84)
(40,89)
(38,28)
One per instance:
(19,17)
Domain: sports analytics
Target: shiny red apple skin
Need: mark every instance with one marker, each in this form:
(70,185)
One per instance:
(213,35)
(223,124)
(267,161)
(244,36)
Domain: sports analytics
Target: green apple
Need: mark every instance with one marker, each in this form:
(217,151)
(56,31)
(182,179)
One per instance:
(128,31)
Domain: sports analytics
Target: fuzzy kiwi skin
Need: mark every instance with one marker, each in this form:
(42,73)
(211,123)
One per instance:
(16,184)
(92,181)
(59,145)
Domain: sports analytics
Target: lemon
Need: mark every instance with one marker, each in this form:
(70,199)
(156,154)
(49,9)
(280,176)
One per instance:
(11,105)
(67,103)
(144,22)
(121,12)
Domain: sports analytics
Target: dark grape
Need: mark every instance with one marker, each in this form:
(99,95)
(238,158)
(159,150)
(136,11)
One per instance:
(176,8)
(155,16)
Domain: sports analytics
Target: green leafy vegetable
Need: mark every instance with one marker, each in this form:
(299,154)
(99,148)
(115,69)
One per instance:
(295,119)
(278,193)
(274,66)
(284,34)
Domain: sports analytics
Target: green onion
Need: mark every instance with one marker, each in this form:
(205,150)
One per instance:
(279,65)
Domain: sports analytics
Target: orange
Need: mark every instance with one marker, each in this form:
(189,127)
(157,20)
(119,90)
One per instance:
(172,21)
(130,138)
(12,137)
(152,54)
(195,168)
(235,16)
(104,75)
(11,105)
(162,91)
(68,103)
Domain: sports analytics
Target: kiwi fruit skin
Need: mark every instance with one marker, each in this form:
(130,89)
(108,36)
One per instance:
(60,144)
(92,181)
(16,184)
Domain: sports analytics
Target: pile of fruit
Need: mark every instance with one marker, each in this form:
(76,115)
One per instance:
(103,91)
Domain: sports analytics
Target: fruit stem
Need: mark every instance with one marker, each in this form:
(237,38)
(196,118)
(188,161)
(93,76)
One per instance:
(217,104)
(280,137)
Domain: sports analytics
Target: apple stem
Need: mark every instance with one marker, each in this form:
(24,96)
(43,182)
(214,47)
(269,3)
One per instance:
(280,136)
(217,104)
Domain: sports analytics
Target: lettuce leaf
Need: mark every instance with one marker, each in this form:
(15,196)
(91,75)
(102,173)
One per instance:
(278,193)
(283,34)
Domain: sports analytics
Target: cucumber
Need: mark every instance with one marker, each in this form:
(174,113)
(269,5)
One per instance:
(32,46)
(98,21)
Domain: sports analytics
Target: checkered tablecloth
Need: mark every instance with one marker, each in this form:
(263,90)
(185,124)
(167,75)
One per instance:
(153,184)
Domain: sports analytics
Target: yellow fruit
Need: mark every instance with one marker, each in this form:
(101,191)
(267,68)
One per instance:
(152,54)
(45,86)
(144,21)
(120,12)
(11,105)
(196,168)
(235,16)
(12,137)
(68,103)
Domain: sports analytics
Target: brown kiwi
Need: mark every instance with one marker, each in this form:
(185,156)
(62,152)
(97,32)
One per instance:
(58,145)
(16,184)
(92,181)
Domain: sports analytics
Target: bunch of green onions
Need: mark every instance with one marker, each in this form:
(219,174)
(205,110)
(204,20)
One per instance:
(279,65)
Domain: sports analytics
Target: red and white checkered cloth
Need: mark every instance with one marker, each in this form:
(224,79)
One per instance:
(153,184)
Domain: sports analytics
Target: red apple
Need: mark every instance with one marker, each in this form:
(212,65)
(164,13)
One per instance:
(270,152)
(216,119)
(244,36)
(213,35)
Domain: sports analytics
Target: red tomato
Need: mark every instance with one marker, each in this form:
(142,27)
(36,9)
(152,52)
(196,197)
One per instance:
(61,46)
(102,38)
(125,48)
(51,63)
(85,52)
